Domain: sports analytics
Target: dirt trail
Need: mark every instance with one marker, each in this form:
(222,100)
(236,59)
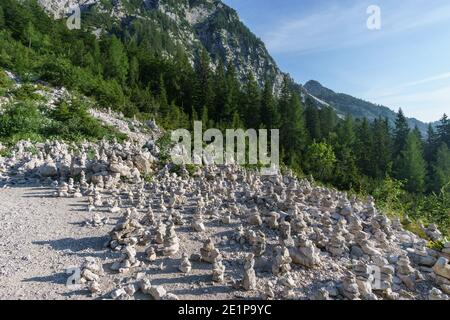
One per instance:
(40,237)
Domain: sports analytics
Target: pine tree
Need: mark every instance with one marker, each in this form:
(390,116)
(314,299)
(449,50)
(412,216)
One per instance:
(293,133)
(230,109)
(312,120)
(220,92)
(441,168)
(431,144)
(443,130)
(401,133)
(270,117)
(328,121)
(252,103)
(31,34)
(2,18)
(115,60)
(381,148)
(133,77)
(364,149)
(162,98)
(412,168)
(346,171)
(203,93)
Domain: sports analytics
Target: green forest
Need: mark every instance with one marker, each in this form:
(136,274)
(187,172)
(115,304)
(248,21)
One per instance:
(142,73)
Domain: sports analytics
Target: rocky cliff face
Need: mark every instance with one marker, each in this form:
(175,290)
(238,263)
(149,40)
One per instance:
(193,24)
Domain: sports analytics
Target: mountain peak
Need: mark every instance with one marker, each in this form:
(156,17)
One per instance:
(317,89)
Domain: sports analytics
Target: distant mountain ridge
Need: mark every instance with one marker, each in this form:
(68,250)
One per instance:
(345,104)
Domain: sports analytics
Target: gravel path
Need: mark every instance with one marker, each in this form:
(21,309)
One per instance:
(40,237)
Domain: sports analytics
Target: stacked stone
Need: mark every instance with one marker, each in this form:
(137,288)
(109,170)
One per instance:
(365,277)
(337,244)
(209,253)
(150,253)
(91,271)
(197,222)
(282,261)
(171,241)
(325,221)
(254,217)
(288,285)
(305,253)
(218,271)
(405,272)
(349,287)
(259,244)
(128,231)
(249,281)
(442,274)
(185,265)
(272,219)
(433,232)
(285,234)
(127,261)
(149,218)
(160,232)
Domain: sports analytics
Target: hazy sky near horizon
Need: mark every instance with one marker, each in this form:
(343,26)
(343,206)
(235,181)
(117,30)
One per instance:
(404,64)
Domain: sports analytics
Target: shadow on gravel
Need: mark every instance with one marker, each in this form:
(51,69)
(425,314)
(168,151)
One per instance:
(201,291)
(39,195)
(75,245)
(58,278)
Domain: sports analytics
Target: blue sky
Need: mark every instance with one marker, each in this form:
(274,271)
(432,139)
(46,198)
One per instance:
(404,64)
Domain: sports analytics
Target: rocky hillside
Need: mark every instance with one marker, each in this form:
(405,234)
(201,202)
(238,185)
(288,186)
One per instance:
(193,24)
(345,104)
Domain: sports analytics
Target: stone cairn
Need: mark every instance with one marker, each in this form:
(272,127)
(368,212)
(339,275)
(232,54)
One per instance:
(296,230)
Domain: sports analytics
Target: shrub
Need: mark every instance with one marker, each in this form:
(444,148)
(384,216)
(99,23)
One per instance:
(21,119)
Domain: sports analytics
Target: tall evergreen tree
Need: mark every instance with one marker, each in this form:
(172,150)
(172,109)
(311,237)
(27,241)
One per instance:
(401,133)
(312,120)
(443,130)
(203,95)
(441,168)
(346,171)
(162,98)
(364,149)
(328,121)
(381,148)
(252,103)
(230,108)
(412,166)
(270,117)
(115,60)
(2,18)
(293,134)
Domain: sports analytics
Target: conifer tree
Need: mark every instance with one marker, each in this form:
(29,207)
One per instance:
(401,133)
(251,103)
(441,168)
(115,60)
(270,117)
(364,148)
(412,166)
(381,148)
(312,120)
(162,98)
(203,95)
(443,130)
